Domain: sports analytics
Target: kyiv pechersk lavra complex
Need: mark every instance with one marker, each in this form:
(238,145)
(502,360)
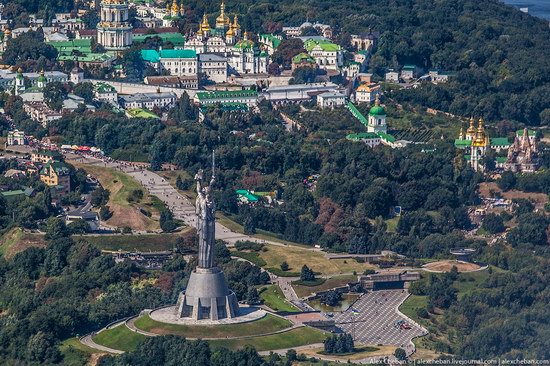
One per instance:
(225,38)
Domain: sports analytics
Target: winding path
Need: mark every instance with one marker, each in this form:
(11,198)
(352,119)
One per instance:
(181,206)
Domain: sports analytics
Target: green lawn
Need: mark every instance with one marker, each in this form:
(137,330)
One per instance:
(412,304)
(75,353)
(274,298)
(303,290)
(296,257)
(293,338)
(269,323)
(149,242)
(251,257)
(279,272)
(120,186)
(468,282)
(392,224)
(120,338)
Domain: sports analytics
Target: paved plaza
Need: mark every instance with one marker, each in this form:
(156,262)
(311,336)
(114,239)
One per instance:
(375,322)
(246,314)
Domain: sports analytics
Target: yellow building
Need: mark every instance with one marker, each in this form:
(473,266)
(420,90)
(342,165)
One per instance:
(56,174)
(45,156)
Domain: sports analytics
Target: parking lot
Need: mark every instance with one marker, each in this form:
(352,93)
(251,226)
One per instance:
(375,322)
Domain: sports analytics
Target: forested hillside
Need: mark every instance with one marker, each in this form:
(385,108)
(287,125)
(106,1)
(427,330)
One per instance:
(496,51)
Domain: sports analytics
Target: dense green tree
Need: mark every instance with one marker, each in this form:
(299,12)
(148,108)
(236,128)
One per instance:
(307,274)
(54,95)
(29,46)
(56,228)
(493,223)
(400,354)
(506,181)
(286,51)
(84,90)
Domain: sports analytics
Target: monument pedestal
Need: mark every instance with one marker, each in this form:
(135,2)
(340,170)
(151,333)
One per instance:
(207,296)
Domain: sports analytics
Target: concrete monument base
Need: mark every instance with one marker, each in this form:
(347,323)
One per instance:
(207,297)
(169,315)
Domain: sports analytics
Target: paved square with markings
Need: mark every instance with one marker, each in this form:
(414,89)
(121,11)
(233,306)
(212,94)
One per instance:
(375,322)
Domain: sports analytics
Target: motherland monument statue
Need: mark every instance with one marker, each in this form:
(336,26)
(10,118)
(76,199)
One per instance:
(207,295)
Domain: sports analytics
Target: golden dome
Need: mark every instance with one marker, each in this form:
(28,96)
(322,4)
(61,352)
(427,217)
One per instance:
(175,7)
(7,31)
(204,26)
(481,138)
(20,70)
(230,32)
(471,128)
(222,19)
(236,24)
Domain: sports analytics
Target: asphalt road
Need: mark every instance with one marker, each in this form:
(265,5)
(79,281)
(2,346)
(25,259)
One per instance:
(181,206)
(375,322)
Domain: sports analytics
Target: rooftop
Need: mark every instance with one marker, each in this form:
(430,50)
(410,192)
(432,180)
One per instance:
(362,136)
(331,95)
(247,194)
(328,46)
(145,97)
(211,57)
(226,94)
(176,38)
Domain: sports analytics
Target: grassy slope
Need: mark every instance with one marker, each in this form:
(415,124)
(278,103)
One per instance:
(16,240)
(275,299)
(120,338)
(124,339)
(412,304)
(268,324)
(75,353)
(121,185)
(293,338)
(260,234)
(296,257)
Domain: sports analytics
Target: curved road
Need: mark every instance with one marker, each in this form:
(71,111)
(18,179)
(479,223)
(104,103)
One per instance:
(182,208)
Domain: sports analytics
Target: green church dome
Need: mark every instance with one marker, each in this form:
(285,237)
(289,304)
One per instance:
(377,111)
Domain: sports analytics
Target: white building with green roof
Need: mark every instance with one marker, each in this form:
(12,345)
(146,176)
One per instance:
(175,62)
(106,93)
(328,55)
(247,58)
(270,42)
(377,118)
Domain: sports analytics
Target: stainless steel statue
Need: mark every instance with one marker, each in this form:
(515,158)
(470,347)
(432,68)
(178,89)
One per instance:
(205,209)
(207,295)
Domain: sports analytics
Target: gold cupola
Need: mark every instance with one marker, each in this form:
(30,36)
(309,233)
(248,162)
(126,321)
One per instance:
(481,138)
(204,26)
(175,8)
(471,131)
(236,26)
(222,21)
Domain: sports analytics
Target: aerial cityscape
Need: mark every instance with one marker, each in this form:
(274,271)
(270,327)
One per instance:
(274,183)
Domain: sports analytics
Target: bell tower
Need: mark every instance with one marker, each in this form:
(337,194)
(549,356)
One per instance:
(114,31)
